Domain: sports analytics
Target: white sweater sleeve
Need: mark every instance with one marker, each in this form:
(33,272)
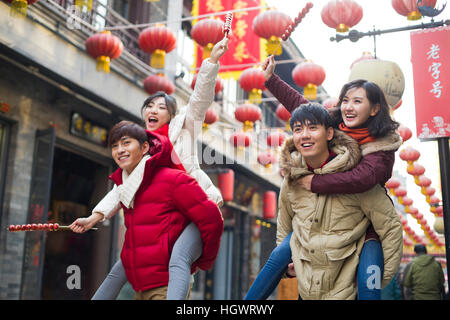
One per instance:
(201,98)
(109,205)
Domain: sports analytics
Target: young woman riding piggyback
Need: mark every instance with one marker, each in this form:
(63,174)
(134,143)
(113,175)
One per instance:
(362,113)
(182,127)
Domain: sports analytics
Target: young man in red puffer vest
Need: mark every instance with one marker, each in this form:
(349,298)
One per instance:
(159,200)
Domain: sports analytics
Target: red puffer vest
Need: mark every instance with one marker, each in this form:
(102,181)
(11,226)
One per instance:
(166,201)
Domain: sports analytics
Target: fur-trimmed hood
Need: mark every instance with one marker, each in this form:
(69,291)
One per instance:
(347,152)
(391,142)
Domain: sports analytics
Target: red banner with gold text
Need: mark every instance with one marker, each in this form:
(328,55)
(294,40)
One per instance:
(430,57)
(245,48)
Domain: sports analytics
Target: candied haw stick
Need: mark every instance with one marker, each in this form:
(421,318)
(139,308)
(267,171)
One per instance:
(39,227)
(227,25)
(293,24)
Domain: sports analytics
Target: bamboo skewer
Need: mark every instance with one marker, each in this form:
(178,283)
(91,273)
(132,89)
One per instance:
(39,227)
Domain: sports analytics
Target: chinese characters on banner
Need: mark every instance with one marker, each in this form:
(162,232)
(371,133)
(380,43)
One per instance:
(430,57)
(244,47)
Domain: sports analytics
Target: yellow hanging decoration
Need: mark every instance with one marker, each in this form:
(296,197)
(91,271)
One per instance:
(18,8)
(414,15)
(255,96)
(310,92)
(84,3)
(207,51)
(273,46)
(157,59)
(103,63)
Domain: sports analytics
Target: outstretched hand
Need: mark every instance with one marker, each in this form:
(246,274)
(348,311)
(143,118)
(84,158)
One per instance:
(268,67)
(82,225)
(219,50)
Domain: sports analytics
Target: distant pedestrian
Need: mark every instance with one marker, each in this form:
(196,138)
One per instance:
(425,276)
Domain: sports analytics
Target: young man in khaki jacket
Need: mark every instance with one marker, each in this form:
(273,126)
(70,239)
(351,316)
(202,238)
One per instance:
(329,230)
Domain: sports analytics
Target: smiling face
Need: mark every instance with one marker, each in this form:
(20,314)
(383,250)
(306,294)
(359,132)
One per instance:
(311,140)
(356,108)
(156,114)
(127,152)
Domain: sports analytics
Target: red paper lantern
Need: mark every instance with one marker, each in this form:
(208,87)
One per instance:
(252,81)
(240,139)
(416,170)
(400,193)
(266,159)
(210,117)
(404,132)
(308,75)
(408,8)
(207,33)
(247,114)
(439,211)
(157,41)
(330,102)
(407,201)
(409,154)
(104,47)
(226,184)
(434,200)
(283,113)
(269,204)
(20,6)
(271,25)
(424,181)
(217,88)
(413,211)
(392,183)
(341,14)
(276,139)
(365,56)
(159,82)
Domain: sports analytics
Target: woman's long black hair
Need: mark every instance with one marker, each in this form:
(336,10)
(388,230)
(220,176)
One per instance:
(379,125)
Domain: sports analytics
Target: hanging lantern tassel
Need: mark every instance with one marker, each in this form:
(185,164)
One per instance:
(84,3)
(310,91)
(255,96)
(18,8)
(207,50)
(103,63)
(273,46)
(157,59)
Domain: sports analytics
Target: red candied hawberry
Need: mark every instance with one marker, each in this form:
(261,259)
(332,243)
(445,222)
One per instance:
(23,227)
(33,226)
(56,226)
(283,37)
(309,5)
(45,226)
(28,227)
(18,227)
(50,226)
(11,228)
(39,226)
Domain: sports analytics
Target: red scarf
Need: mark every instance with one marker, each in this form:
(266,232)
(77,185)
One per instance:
(176,162)
(361,135)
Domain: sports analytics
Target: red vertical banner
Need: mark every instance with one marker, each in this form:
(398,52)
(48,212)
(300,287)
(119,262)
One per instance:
(430,57)
(245,48)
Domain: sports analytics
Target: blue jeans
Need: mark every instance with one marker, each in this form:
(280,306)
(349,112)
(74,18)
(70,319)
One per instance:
(369,273)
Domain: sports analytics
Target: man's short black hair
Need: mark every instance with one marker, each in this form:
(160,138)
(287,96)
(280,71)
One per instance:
(314,112)
(420,248)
